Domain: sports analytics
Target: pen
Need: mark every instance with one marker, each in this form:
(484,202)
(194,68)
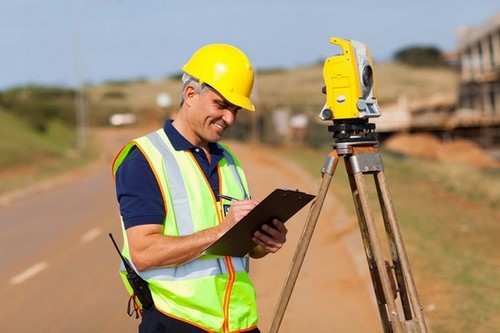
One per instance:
(227,197)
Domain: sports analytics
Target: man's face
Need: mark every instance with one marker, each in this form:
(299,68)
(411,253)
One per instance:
(209,116)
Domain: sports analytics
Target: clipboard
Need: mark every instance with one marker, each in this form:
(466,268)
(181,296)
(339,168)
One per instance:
(281,204)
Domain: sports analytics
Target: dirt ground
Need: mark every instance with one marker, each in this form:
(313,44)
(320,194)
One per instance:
(458,151)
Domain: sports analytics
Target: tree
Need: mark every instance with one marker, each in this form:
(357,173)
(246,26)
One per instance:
(420,56)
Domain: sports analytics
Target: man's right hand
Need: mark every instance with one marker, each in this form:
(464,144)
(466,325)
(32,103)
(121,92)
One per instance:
(237,211)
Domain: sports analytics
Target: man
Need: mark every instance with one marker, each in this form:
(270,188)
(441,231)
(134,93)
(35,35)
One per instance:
(169,185)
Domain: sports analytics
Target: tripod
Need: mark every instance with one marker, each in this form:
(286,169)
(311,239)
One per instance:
(356,143)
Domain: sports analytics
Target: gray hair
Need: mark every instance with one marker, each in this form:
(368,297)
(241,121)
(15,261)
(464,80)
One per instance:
(191,80)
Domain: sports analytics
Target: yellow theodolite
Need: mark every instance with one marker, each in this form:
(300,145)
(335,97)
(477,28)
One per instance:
(349,83)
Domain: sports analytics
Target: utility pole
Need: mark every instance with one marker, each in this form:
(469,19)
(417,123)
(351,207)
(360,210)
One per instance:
(80,107)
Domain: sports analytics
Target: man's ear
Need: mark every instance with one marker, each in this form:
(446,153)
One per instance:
(188,94)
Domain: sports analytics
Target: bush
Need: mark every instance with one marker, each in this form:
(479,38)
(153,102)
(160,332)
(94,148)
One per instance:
(420,56)
(40,105)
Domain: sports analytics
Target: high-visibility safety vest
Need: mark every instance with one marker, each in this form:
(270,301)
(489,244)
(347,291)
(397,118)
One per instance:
(211,292)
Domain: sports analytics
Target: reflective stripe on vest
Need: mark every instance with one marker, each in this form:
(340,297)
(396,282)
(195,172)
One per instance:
(176,184)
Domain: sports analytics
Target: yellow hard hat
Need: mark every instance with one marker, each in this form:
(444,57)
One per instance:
(226,69)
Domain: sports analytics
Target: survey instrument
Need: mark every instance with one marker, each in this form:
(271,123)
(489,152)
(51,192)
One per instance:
(350,104)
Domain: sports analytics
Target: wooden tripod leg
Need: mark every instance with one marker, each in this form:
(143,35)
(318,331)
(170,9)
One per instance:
(374,250)
(367,244)
(303,244)
(406,285)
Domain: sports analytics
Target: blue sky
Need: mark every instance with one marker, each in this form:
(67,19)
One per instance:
(66,42)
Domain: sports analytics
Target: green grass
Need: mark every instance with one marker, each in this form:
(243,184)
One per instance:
(27,155)
(449,220)
(20,143)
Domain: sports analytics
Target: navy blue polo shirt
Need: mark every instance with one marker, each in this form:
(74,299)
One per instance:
(138,191)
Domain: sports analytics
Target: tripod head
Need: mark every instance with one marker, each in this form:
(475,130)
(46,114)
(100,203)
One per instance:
(353,130)
(350,132)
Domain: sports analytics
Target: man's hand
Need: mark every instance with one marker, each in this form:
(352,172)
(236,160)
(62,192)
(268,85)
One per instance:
(237,211)
(269,241)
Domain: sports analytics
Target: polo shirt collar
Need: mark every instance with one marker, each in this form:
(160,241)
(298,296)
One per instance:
(181,143)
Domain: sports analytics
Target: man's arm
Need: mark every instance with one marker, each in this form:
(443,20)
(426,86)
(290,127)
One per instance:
(149,248)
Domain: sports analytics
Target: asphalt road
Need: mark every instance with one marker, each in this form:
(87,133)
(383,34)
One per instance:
(58,265)
(59,268)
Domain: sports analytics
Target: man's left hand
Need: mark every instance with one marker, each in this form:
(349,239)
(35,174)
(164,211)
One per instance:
(270,239)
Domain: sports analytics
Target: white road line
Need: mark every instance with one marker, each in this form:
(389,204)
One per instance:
(90,235)
(29,273)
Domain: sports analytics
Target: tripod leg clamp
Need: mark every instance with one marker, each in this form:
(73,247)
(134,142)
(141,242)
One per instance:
(366,162)
(330,164)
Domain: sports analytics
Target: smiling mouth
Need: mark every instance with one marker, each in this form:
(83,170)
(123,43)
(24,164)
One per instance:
(220,126)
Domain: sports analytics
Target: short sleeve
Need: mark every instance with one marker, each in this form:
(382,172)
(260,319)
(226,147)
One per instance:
(138,192)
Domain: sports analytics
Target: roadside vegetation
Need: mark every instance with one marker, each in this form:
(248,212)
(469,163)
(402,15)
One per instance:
(37,135)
